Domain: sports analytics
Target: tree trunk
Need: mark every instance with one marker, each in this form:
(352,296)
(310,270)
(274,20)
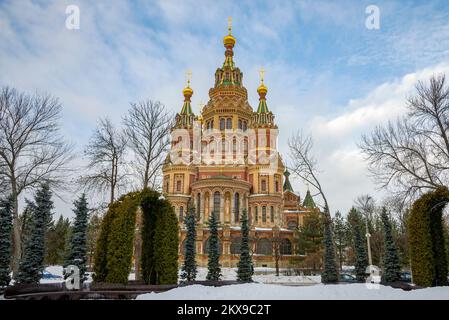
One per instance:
(17,253)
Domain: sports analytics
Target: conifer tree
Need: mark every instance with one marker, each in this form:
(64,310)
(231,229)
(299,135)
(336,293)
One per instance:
(330,273)
(166,244)
(245,265)
(213,264)
(189,267)
(77,254)
(32,264)
(361,258)
(340,236)
(6,210)
(57,241)
(392,267)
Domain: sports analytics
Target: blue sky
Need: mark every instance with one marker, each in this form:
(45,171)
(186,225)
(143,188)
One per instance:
(326,72)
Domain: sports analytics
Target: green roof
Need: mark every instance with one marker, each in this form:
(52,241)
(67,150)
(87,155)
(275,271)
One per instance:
(287,185)
(263,108)
(186,108)
(308,201)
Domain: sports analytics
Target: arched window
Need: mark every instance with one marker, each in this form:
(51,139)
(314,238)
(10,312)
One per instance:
(207,246)
(235,245)
(183,247)
(217,199)
(264,214)
(249,216)
(167,185)
(264,247)
(236,207)
(222,124)
(198,206)
(240,124)
(272,214)
(256,214)
(229,123)
(285,247)
(292,225)
(263,185)
(276,184)
(244,125)
(178,186)
(181,213)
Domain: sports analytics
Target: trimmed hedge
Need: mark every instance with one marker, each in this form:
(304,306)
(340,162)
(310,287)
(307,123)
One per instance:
(426,241)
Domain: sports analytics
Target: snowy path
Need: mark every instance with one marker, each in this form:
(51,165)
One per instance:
(278,292)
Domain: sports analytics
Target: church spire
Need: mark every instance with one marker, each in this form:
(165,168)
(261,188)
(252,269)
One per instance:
(187,92)
(185,118)
(229,42)
(263,117)
(262,91)
(287,185)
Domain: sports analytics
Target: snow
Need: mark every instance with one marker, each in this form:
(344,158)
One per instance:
(257,291)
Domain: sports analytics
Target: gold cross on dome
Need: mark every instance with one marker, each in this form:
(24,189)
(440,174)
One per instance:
(189,77)
(229,24)
(262,74)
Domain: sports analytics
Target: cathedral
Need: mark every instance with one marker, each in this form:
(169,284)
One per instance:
(224,160)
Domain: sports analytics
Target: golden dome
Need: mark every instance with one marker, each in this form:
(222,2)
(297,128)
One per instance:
(262,89)
(187,92)
(229,40)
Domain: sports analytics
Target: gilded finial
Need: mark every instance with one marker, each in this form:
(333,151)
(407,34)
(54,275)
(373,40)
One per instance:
(262,74)
(188,77)
(188,92)
(229,40)
(262,89)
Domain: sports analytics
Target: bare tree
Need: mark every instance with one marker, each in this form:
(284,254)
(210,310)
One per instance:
(105,153)
(31,149)
(412,154)
(304,165)
(148,126)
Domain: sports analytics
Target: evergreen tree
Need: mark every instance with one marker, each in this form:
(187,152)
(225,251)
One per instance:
(361,258)
(32,264)
(213,264)
(56,241)
(150,204)
(340,236)
(330,273)
(392,267)
(77,254)
(245,265)
(189,267)
(6,209)
(121,239)
(166,244)
(93,232)
(426,241)
(310,239)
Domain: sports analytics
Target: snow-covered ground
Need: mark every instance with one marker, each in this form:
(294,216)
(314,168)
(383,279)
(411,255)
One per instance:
(257,291)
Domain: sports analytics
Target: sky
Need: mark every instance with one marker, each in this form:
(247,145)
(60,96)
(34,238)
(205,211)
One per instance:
(327,73)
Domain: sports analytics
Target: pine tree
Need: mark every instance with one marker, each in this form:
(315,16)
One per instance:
(330,273)
(150,204)
(361,258)
(6,209)
(340,235)
(166,244)
(310,239)
(189,267)
(56,241)
(392,267)
(213,264)
(245,264)
(32,264)
(77,254)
